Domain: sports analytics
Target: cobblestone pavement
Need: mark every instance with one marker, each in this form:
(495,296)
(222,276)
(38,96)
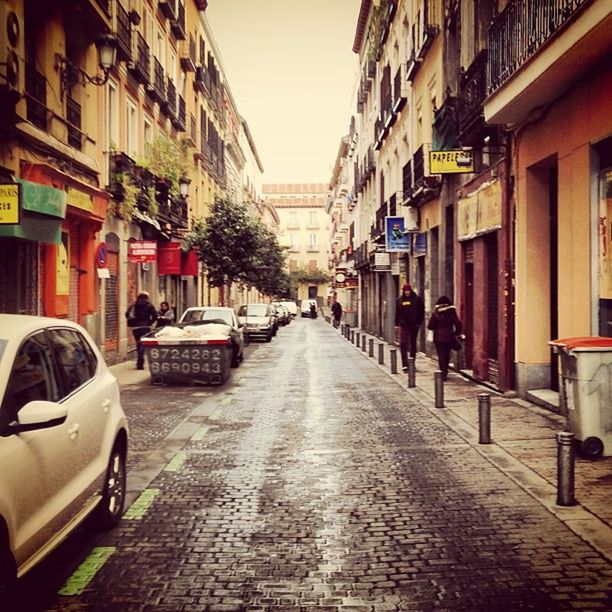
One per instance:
(314,480)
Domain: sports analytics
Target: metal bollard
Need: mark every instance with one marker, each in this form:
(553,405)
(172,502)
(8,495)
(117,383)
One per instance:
(352,336)
(411,373)
(357,337)
(371,348)
(439,389)
(393,353)
(363,342)
(565,468)
(381,353)
(484,418)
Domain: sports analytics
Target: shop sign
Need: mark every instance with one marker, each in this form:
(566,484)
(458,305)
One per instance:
(140,251)
(397,239)
(480,212)
(352,282)
(455,161)
(382,262)
(419,244)
(9,204)
(169,258)
(43,199)
(189,263)
(80,199)
(340,278)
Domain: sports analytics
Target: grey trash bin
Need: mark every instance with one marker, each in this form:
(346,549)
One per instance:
(586,391)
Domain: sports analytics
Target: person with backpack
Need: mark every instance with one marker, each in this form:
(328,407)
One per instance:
(446,328)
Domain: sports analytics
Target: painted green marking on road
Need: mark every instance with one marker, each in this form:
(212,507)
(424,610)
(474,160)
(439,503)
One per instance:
(225,400)
(140,506)
(200,433)
(84,574)
(176,463)
(214,416)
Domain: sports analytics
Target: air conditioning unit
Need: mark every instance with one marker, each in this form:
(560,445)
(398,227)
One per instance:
(12,69)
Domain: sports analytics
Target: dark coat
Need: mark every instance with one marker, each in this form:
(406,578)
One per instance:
(409,310)
(445,323)
(336,309)
(144,313)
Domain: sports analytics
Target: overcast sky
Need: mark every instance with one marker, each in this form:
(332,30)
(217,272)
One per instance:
(291,69)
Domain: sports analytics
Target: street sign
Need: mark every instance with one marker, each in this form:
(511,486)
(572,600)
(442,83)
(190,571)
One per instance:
(455,161)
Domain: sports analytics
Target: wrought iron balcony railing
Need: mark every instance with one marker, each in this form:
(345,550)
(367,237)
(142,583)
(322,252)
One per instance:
(520,30)
(123,33)
(178,25)
(36,95)
(73,119)
(472,93)
(170,98)
(140,66)
(188,55)
(158,90)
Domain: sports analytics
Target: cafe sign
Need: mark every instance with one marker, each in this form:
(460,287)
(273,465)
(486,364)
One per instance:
(455,161)
(9,204)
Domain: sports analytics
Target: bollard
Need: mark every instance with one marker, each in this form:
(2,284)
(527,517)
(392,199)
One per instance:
(565,468)
(357,337)
(371,348)
(411,373)
(381,353)
(393,353)
(484,418)
(439,389)
(352,336)
(363,342)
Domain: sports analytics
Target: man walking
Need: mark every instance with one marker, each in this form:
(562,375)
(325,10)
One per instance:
(409,315)
(337,312)
(141,315)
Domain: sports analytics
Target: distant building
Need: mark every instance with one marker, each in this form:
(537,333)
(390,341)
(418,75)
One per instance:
(304,230)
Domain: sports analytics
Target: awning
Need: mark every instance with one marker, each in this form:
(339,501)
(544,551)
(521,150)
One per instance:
(137,214)
(38,228)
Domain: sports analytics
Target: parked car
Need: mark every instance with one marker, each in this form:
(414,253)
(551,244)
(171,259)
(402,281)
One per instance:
(219,314)
(291,307)
(63,439)
(305,307)
(282,313)
(258,320)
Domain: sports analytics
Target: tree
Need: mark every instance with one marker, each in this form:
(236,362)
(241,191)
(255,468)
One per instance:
(236,247)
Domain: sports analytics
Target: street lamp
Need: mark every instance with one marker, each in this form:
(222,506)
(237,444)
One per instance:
(184,183)
(71,75)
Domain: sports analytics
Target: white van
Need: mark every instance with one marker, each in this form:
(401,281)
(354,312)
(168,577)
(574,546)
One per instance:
(305,307)
(291,307)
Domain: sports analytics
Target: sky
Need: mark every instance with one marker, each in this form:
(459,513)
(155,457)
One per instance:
(291,70)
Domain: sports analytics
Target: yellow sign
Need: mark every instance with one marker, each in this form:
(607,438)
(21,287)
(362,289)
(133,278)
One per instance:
(9,204)
(451,162)
(80,199)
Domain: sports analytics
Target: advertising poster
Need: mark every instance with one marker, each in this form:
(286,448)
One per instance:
(396,238)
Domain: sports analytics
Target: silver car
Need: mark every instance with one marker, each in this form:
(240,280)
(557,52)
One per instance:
(63,439)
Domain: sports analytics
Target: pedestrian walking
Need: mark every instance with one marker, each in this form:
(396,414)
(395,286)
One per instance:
(446,328)
(313,311)
(165,315)
(336,309)
(409,316)
(140,317)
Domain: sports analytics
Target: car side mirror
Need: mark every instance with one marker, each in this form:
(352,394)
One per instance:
(39,414)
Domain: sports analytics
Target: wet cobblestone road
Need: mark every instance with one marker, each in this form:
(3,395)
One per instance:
(313,480)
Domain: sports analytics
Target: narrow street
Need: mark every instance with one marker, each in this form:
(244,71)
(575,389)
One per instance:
(312,479)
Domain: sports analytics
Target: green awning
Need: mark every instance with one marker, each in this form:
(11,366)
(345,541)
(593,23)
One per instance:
(39,228)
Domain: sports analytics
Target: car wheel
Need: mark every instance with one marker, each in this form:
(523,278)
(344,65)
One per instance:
(235,359)
(113,498)
(8,570)
(269,337)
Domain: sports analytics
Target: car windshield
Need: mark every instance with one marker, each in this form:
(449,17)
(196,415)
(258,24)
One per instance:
(208,315)
(254,310)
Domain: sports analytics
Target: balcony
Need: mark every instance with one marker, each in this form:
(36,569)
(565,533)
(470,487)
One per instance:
(407,182)
(36,95)
(423,187)
(169,9)
(170,98)
(472,93)
(73,119)
(188,55)
(157,89)
(180,120)
(445,124)
(399,97)
(141,67)
(123,33)
(538,49)
(178,25)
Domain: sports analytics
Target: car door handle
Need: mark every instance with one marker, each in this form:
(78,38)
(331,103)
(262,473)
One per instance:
(106,405)
(73,431)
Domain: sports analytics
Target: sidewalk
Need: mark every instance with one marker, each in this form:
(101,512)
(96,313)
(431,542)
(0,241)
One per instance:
(523,443)
(523,439)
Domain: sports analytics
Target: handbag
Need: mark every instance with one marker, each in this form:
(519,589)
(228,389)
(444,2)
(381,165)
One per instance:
(455,344)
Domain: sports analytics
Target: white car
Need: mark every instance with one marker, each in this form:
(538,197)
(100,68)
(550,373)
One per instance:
(63,439)
(305,307)
(291,307)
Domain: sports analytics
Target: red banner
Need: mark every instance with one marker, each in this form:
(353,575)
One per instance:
(169,258)
(140,251)
(189,263)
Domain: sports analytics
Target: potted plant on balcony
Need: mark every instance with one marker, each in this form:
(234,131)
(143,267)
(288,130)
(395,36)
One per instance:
(166,159)
(124,194)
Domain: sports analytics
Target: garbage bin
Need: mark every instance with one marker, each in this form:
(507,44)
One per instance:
(586,391)
(203,361)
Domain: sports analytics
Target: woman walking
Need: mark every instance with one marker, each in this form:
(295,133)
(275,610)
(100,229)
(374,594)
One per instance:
(446,327)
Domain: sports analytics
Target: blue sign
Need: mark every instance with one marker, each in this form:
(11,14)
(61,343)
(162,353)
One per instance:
(397,240)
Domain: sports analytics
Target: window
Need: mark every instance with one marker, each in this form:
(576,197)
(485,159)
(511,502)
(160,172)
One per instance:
(33,377)
(293,222)
(312,265)
(76,358)
(131,144)
(293,265)
(111,116)
(313,218)
(312,242)
(148,132)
